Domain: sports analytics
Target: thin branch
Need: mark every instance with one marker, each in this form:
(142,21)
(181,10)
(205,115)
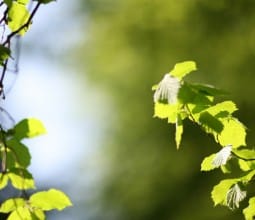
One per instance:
(26,25)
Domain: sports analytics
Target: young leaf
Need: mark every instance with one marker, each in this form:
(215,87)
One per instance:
(219,192)
(5,53)
(28,128)
(11,204)
(207,163)
(179,131)
(18,15)
(166,111)
(51,199)
(183,68)
(21,178)
(233,133)
(8,3)
(3,180)
(249,212)
(234,196)
(210,123)
(20,151)
(21,213)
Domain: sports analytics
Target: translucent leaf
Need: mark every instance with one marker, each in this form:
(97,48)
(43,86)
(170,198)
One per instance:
(217,110)
(183,68)
(233,133)
(8,3)
(12,204)
(29,128)
(247,154)
(51,199)
(247,178)
(3,180)
(20,214)
(210,123)
(207,163)
(4,54)
(208,90)
(166,111)
(38,214)
(179,131)
(21,178)
(249,212)
(18,15)
(24,2)
(219,192)
(21,152)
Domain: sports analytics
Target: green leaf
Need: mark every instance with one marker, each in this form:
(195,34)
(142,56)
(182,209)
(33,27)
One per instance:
(24,2)
(20,213)
(18,15)
(21,152)
(51,199)
(28,128)
(5,53)
(233,133)
(210,123)
(11,204)
(207,164)
(219,191)
(166,111)
(182,69)
(179,131)
(247,154)
(46,1)
(249,212)
(8,3)
(208,90)
(248,177)
(38,214)
(227,107)
(3,180)
(21,178)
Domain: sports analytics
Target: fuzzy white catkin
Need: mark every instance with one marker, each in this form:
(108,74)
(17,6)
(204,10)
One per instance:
(168,89)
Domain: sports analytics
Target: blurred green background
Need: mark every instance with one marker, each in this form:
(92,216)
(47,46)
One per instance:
(124,47)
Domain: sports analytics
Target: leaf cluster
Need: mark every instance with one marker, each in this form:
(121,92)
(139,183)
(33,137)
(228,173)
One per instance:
(196,102)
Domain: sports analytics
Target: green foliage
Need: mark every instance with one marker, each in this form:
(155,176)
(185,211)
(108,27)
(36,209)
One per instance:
(196,103)
(15,156)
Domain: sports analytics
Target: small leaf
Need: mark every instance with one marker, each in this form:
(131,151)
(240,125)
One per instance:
(3,180)
(219,192)
(166,111)
(249,212)
(51,199)
(18,15)
(21,178)
(5,53)
(21,152)
(210,123)
(208,89)
(20,213)
(11,204)
(183,68)
(207,163)
(24,2)
(179,131)
(28,128)
(233,133)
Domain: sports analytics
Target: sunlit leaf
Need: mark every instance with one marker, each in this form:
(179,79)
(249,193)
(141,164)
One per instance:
(219,191)
(24,2)
(207,163)
(218,110)
(179,131)
(183,68)
(233,133)
(21,213)
(248,177)
(3,180)
(166,111)
(249,212)
(29,128)
(11,204)
(51,199)
(18,15)
(21,178)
